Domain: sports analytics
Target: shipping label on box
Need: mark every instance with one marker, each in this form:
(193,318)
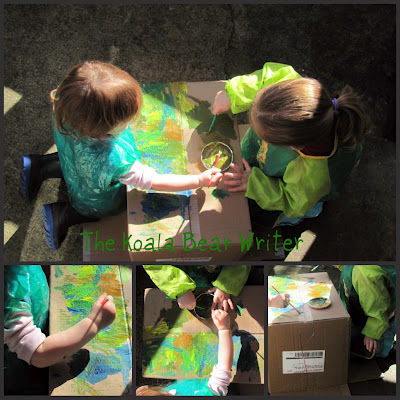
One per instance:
(299,362)
(307,348)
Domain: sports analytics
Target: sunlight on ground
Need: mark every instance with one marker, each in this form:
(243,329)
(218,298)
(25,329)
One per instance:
(9,229)
(11,98)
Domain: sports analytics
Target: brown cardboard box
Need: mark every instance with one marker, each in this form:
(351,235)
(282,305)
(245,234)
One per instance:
(315,342)
(102,240)
(213,224)
(341,390)
(178,345)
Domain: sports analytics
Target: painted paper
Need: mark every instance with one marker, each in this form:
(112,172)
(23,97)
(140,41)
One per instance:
(301,290)
(74,289)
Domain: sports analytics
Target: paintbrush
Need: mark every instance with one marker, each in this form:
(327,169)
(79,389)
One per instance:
(212,123)
(290,304)
(215,164)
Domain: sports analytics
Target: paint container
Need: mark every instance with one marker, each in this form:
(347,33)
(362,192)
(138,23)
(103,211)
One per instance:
(210,152)
(319,303)
(203,305)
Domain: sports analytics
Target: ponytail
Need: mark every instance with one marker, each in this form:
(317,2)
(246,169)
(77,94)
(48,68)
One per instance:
(351,118)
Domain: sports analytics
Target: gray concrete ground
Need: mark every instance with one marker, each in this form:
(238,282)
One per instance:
(337,44)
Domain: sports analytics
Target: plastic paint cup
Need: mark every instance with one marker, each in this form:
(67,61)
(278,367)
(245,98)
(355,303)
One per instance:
(210,152)
(204,300)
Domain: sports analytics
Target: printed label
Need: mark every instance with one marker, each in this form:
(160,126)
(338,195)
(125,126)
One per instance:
(301,362)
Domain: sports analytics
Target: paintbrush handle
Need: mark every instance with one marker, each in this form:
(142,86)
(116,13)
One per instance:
(212,123)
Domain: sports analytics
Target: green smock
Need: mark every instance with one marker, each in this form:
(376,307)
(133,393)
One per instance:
(175,281)
(369,294)
(190,387)
(92,169)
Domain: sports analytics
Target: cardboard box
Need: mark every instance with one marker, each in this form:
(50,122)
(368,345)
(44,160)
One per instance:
(178,345)
(341,390)
(309,350)
(102,241)
(207,225)
(103,367)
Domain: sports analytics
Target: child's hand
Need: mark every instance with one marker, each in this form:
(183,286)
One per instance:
(187,300)
(222,298)
(103,315)
(279,301)
(238,181)
(222,103)
(221,319)
(213,174)
(371,345)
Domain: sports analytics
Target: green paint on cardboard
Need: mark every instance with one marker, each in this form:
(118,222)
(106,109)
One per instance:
(57,271)
(220,193)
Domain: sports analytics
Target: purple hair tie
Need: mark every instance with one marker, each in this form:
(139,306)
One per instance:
(335,103)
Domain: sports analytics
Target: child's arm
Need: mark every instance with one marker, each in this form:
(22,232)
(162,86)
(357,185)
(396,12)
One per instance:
(225,344)
(176,183)
(144,177)
(369,282)
(241,90)
(221,373)
(59,345)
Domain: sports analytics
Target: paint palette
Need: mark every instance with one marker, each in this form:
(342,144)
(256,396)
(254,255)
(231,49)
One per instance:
(210,152)
(319,303)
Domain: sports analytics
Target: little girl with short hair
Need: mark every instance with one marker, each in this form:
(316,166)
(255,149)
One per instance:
(93,108)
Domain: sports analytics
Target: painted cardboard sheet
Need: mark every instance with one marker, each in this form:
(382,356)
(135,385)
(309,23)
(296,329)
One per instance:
(104,366)
(302,288)
(178,345)
(170,134)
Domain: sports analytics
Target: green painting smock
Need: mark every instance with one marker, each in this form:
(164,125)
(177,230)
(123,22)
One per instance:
(284,179)
(92,169)
(190,387)
(175,281)
(369,295)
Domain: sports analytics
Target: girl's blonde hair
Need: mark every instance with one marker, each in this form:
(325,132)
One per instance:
(299,112)
(94,98)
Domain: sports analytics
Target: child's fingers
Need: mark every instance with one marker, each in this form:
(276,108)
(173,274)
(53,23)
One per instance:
(101,298)
(236,168)
(240,188)
(110,298)
(246,164)
(233,183)
(233,175)
(230,302)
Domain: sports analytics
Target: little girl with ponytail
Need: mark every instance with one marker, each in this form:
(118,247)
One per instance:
(302,143)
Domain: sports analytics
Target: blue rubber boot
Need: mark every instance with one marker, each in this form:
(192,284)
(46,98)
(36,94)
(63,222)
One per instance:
(37,168)
(30,179)
(57,218)
(55,230)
